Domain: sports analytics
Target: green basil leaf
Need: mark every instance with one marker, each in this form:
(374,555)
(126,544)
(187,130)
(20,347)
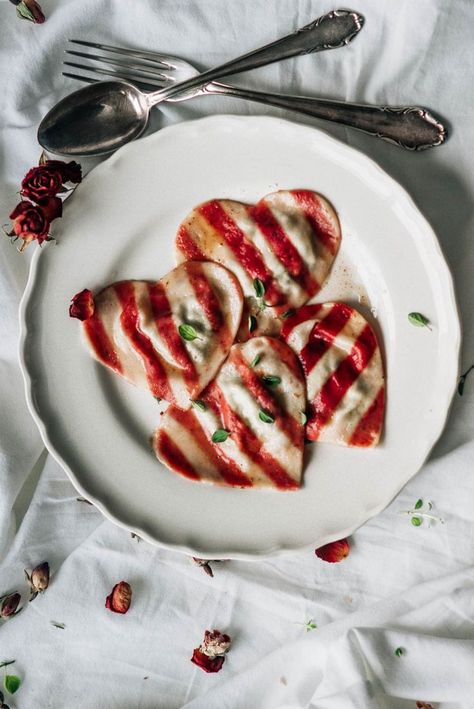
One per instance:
(187,332)
(399,652)
(24,12)
(259,287)
(419,503)
(266,418)
(198,404)
(288,313)
(220,435)
(416,521)
(418,320)
(255,361)
(12,683)
(271,380)
(252,323)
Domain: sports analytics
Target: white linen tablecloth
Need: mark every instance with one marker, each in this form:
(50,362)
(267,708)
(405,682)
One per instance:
(401,586)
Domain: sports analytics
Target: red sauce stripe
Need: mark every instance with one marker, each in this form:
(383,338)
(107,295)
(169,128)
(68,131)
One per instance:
(286,423)
(173,456)
(168,332)
(245,252)
(283,248)
(314,212)
(210,305)
(322,335)
(307,312)
(247,441)
(331,393)
(228,468)
(371,422)
(129,319)
(186,244)
(101,343)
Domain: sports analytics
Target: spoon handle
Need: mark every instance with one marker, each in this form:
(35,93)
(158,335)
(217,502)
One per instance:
(410,127)
(333,30)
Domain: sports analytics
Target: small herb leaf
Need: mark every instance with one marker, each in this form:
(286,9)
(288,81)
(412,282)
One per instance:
(58,625)
(418,320)
(220,435)
(399,652)
(271,380)
(255,361)
(12,683)
(6,663)
(416,521)
(259,287)
(418,504)
(288,313)
(266,418)
(303,418)
(198,404)
(187,332)
(252,323)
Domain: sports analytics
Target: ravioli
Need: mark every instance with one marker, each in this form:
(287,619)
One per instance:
(345,385)
(246,430)
(288,241)
(136,329)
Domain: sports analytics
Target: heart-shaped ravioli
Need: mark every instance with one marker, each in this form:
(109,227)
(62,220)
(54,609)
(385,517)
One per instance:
(341,359)
(168,336)
(282,247)
(246,429)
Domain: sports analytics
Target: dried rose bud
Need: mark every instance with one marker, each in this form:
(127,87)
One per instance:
(82,305)
(30,10)
(205,564)
(9,605)
(120,598)
(39,579)
(210,655)
(334,551)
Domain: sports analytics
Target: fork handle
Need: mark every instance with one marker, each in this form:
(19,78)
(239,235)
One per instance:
(410,127)
(333,30)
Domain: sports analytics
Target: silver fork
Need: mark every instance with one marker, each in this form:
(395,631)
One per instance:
(410,127)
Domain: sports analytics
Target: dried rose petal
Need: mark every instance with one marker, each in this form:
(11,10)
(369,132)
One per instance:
(9,605)
(210,655)
(207,663)
(82,305)
(424,705)
(334,551)
(120,598)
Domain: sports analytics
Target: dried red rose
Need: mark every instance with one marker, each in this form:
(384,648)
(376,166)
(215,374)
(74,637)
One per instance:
(120,598)
(38,579)
(49,178)
(9,605)
(82,305)
(210,655)
(334,551)
(30,223)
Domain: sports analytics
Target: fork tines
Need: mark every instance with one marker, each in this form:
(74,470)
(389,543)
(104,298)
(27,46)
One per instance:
(144,68)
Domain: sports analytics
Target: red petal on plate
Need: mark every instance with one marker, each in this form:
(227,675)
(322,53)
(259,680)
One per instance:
(334,551)
(82,305)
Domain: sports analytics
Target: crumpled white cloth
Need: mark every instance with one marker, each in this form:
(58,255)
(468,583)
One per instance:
(401,586)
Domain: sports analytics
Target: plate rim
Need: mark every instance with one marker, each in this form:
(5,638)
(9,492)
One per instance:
(454,348)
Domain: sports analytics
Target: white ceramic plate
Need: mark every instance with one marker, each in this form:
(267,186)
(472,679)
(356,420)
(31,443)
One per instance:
(121,223)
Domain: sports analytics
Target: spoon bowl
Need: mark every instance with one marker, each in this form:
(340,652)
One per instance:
(94,120)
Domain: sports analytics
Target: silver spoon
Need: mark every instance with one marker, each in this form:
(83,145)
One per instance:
(102,117)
